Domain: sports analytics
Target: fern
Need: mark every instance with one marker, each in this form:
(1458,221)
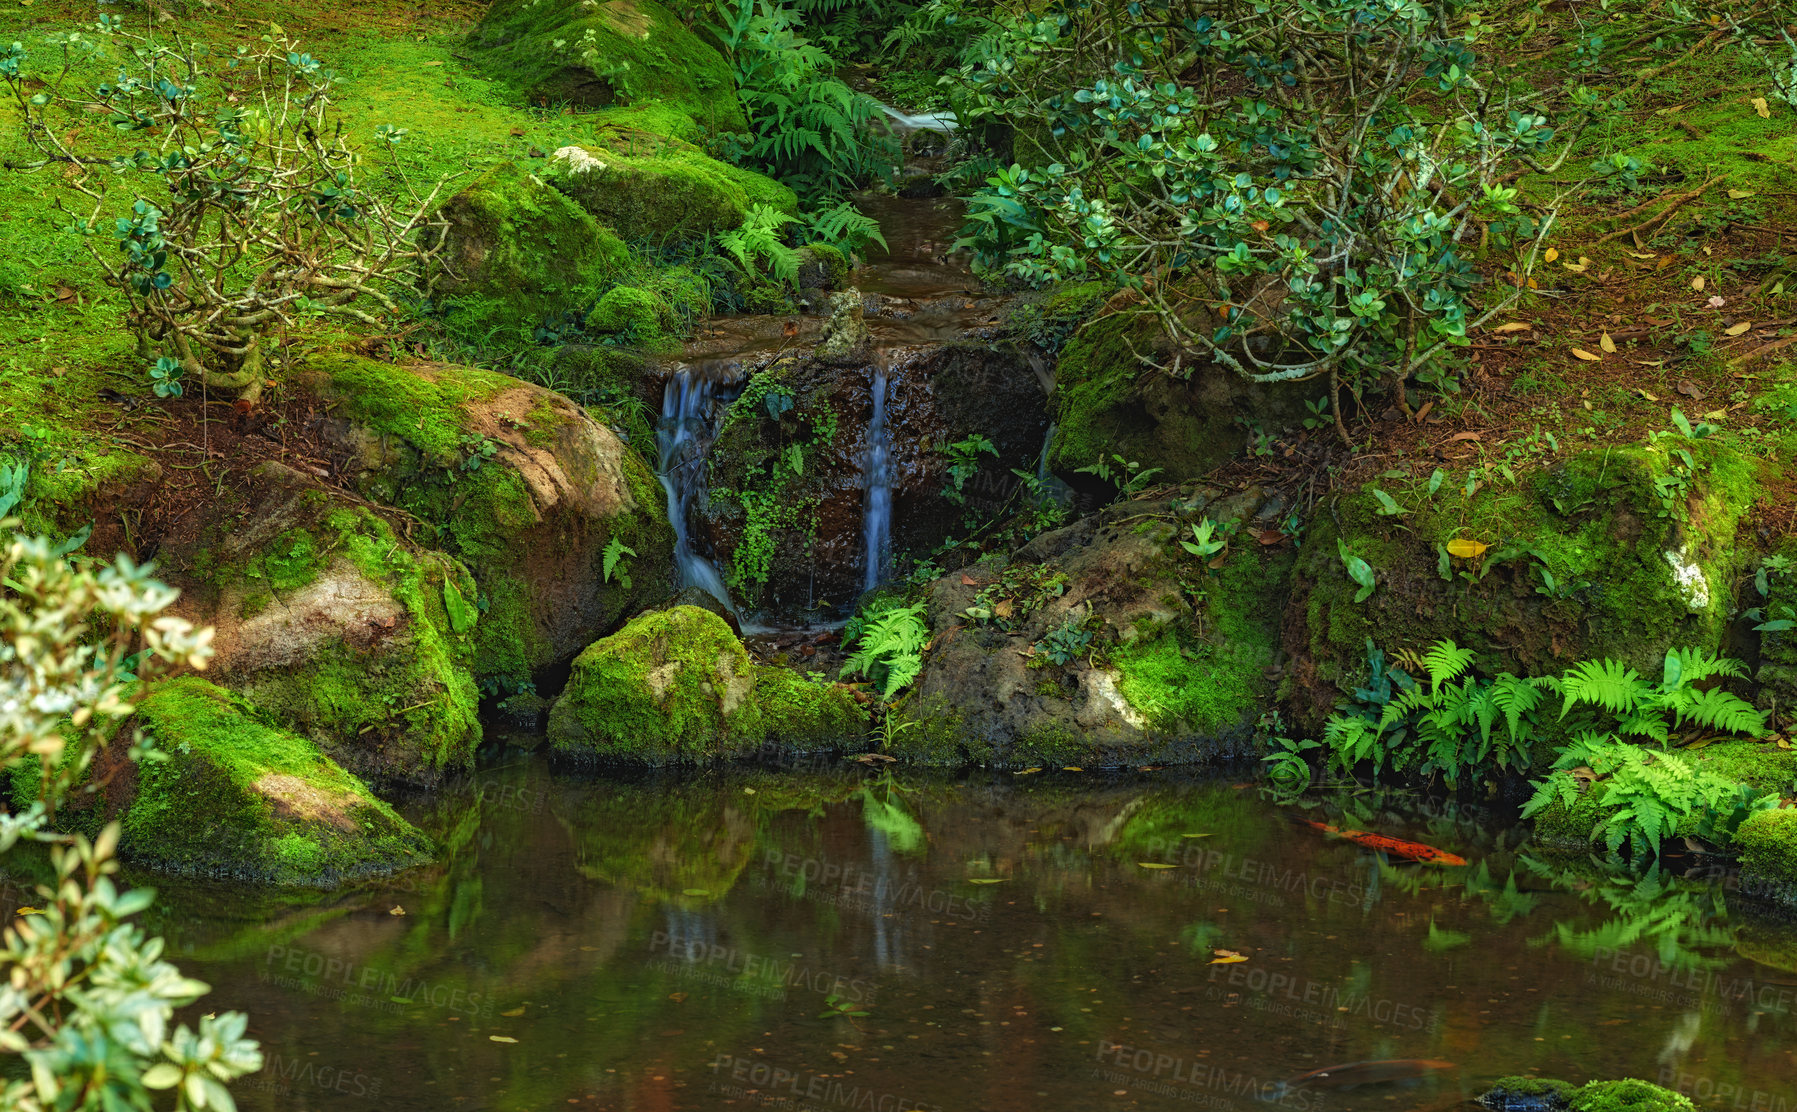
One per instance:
(758,242)
(615,551)
(888,648)
(1609,684)
(1444,661)
(844,227)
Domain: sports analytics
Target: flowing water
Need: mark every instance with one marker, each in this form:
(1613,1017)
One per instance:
(876,481)
(689,412)
(846,941)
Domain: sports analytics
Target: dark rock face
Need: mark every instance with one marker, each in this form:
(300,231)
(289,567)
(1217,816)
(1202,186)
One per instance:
(784,515)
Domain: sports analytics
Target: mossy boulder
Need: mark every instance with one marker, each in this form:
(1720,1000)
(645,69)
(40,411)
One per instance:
(676,687)
(337,627)
(518,254)
(239,799)
(520,485)
(1616,552)
(1767,844)
(602,54)
(1528,1094)
(636,313)
(660,189)
(1161,658)
(1628,1095)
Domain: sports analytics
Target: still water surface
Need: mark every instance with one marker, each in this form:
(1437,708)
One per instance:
(846,940)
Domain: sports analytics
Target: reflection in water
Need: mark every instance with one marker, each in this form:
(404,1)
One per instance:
(674,946)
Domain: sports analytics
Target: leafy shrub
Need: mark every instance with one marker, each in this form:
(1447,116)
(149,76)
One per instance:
(888,647)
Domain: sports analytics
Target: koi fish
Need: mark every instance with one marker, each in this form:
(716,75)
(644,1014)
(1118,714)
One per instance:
(1352,1074)
(1416,851)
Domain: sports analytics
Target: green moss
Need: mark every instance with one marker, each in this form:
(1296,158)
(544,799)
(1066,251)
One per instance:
(1215,681)
(1628,1096)
(639,314)
(620,52)
(237,798)
(663,190)
(677,687)
(1533,1086)
(823,267)
(522,255)
(65,486)
(1050,320)
(1767,843)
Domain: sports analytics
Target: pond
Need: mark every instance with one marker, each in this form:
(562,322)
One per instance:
(841,938)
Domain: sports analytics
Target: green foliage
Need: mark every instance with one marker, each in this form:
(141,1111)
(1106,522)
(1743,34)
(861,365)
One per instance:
(1287,766)
(1020,591)
(963,463)
(1206,540)
(14,474)
(1128,476)
(89,999)
(844,227)
(888,647)
(615,551)
(758,248)
(806,128)
(1069,641)
(1359,571)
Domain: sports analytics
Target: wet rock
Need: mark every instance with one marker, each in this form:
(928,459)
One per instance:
(845,336)
(1088,647)
(676,687)
(1527,1094)
(518,483)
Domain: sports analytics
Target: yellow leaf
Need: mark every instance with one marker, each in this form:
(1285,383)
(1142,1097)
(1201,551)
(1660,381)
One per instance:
(986,880)
(502,1038)
(1551,255)
(694,892)
(513,1014)
(1197,835)
(1003,608)
(1739,194)
(1466,548)
(1155,865)
(396,910)
(1736,330)
(1649,363)
(1586,356)
(1697,283)
(1642,254)
(1762,108)
(1226,957)
(1578,267)
(1072,768)
(30,911)
(1532,284)
(1028,771)
(1607,344)
(1513,326)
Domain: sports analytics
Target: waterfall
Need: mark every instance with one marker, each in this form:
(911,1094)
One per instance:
(876,480)
(683,436)
(943,122)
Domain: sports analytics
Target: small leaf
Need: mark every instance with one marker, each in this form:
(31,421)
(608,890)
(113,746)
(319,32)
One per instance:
(1072,768)
(1739,194)
(1736,330)
(1608,345)
(985,880)
(1435,480)
(502,1038)
(1466,548)
(1388,506)
(1513,326)
(1155,865)
(694,892)
(1581,353)
(514,1013)
(1761,108)
(1226,957)
(1697,283)
(1551,254)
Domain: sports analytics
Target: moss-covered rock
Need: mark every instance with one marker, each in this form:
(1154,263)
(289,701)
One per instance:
(1629,1095)
(1616,552)
(519,254)
(677,687)
(636,313)
(631,52)
(1527,1094)
(239,799)
(662,190)
(1163,658)
(1767,843)
(518,483)
(337,627)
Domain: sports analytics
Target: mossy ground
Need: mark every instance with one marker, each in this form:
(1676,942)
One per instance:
(241,799)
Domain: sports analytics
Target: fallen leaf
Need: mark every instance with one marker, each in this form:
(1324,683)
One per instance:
(1003,608)
(1551,255)
(1607,344)
(1578,267)
(1643,254)
(968,580)
(1269,536)
(1072,768)
(1466,548)
(1260,225)
(1642,392)
(433,63)
(513,1014)
(502,1038)
(1581,353)
(1155,865)
(1028,771)
(1665,261)
(1761,108)
(986,880)
(1736,330)
(1697,283)
(1783,744)
(1464,436)
(1513,326)
(694,892)
(1649,363)
(1226,957)
(1197,835)
(39,911)
(396,910)
(1689,389)
(1423,412)
(1739,194)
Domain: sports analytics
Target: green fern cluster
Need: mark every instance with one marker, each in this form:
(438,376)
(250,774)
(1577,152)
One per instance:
(888,647)
(759,247)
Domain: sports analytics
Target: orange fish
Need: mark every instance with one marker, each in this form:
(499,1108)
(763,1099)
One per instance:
(1416,851)
(1354,1074)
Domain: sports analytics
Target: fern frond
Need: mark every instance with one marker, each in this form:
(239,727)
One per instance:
(1720,710)
(1445,661)
(1610,684)
(1696,665)
(1517,699)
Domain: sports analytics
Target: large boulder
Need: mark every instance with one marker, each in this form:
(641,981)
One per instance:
(787,497)
(656,188)
(1615,552)
(238,799)
(336,625)
(518,255)
(518,483)
(1106,643)
(676,687)
(600,54)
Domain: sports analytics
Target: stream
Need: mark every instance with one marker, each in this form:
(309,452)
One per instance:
(990,943)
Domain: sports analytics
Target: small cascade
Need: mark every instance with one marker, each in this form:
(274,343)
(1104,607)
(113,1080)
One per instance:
(683,437)
(876,481)
(941,122)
